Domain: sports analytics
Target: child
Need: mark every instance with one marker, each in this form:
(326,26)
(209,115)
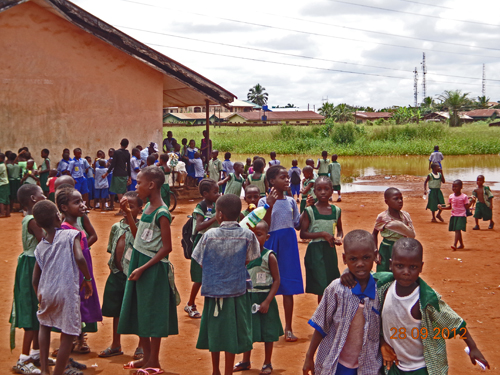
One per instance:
(151,160)
(135,167)
(409,305)
(310,163)
(191,150)
(4,188)
(436,157)
(199,171)
(258,177)
(59,264)
(435,178)
(484,203)
(25,303)
(14,172)
(90,181)
(78,168)
(51,184)
(334,171)
(273,160)
(111,195)
(234,180)
(226,324)
(101,192)
(227,166)
(266,323)
(294,173)
(71,205)
(283,218)
(184,156)
(318,224)
(44,171)
(120,245)
(150,291)
(214,167)
(165,188)
(323,164)
(347,321)
(63,165)
(31,174)
(252,196)
(459,204)
(392,224)
(248,165)
(204,219)
(307,187)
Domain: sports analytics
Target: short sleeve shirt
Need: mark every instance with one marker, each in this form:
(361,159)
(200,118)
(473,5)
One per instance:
(458,204)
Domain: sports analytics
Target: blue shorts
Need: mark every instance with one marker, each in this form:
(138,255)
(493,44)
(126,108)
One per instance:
(81,185)
(342,370)
(295,189)
(101,193)
(132,186)
(110,176)
(90,185)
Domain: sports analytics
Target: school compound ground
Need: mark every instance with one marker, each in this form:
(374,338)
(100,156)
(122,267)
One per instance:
(468,280)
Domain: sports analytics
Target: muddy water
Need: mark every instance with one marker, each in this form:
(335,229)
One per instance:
(354,168)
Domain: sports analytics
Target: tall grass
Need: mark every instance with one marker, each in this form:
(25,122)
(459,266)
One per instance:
(350,139)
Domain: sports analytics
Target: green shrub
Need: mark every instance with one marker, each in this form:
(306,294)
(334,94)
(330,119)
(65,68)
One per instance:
(347,133)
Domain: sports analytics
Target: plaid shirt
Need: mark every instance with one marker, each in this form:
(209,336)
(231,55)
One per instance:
(332,320)
(435,314)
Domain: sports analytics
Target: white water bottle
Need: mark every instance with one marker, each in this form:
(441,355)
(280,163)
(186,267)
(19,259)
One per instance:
(208,216)
(254,217)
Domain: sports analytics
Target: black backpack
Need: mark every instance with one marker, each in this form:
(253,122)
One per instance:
(187,240)
(295,180)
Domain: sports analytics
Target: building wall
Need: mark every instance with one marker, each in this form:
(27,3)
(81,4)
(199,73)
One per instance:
(62,87)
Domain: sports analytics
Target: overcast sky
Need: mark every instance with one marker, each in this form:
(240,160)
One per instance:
(382,39)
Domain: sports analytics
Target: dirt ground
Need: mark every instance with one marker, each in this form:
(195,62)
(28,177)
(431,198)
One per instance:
(468,280)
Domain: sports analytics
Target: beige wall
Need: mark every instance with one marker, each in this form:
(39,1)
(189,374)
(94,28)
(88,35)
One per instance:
(62,87)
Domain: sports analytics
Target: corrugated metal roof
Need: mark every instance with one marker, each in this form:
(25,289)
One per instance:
(373,115)
(482,112)
(281,116)
(182,86)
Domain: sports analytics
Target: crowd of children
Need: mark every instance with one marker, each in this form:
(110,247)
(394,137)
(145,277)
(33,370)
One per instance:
(364,322)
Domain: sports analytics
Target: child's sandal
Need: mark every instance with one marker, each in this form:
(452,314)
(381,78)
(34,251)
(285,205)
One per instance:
(266,369)
(242,366)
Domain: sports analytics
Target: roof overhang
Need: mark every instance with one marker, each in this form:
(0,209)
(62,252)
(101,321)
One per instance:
(181,85)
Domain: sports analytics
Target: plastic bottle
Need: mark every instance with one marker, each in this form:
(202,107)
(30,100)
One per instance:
(253,218)
(208,216)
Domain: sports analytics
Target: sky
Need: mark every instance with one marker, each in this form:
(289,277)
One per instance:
(362,53)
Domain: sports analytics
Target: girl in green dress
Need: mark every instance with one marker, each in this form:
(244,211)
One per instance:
(318,224)
(234,180)
(150,299)
(435,179)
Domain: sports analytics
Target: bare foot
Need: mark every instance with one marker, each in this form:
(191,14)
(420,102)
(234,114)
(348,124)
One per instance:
(460,247)
(453,248)
(434,221)
(440,218)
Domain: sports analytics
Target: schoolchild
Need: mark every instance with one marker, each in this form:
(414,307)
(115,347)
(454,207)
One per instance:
(44,171)
(135,167)
(294,173)
(25,304)
(318,224)
(14,171)
(204,219)
(63,165)
(484,203)
(226,324)
(266,323)
(283,219)
(334,172)
(435,179)
(323,164)
(199,170)
(90,181)
(459,204)
(252,196)
(120,245)
(51,182)
(392,224)
(347,321)
(30,174)
(4,188)
(215,167)
(307,187)
(258,177)
(78,169)
(101,192)
(273,160)
(165,188)
(150,300)
(59,264)
(234,181)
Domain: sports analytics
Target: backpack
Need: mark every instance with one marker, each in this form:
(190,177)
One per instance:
(295,180)
(187,233)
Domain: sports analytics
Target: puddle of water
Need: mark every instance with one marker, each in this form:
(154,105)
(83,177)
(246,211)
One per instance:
(464,167)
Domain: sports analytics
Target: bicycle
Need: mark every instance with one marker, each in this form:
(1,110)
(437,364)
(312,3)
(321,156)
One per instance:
(173,201)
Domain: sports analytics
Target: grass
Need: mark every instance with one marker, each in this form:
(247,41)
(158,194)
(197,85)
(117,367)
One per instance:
(350,139)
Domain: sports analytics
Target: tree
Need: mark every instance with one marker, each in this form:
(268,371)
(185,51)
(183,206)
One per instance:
(343,113)
(454,101)
(258,95)
(482,101)
(290,105)
(326,110)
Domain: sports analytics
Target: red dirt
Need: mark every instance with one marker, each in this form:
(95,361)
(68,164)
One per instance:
(470,286)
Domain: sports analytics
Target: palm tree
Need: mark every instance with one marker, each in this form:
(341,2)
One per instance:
(326,110)
(257,95)
(343,113)
(482,101)
(454,101)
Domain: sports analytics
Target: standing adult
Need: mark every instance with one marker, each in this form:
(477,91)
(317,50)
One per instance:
(436,157)
(120,166)
(204,147)
(169,143)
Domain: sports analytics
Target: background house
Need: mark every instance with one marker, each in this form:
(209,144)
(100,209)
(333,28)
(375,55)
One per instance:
(361,116)
(68,79)
(277,117)
(445,116)
(483,114)
(188,118)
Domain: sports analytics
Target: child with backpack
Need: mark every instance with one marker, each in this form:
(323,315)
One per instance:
(202,220)
(294,174)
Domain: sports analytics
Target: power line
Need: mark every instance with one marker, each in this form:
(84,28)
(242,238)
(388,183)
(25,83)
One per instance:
(290,54)
(299,66)
(414,14)
(430,5)
(307,32)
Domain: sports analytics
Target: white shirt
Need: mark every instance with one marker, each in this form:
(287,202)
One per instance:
(198,167)
(135,166)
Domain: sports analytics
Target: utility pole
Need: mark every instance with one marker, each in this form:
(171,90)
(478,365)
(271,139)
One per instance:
(415,87)
(484,80)
(424,72)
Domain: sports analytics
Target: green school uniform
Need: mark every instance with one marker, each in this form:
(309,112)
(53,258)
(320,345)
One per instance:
(259,182)
(483,210)
(214,169)
(149,304)
(323,167)
(234,185)
(4,184)
(265,327)
(435,194)
(334,170)
(303,201)
(165,188)
(14,171)
(320,261)
(44,176)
